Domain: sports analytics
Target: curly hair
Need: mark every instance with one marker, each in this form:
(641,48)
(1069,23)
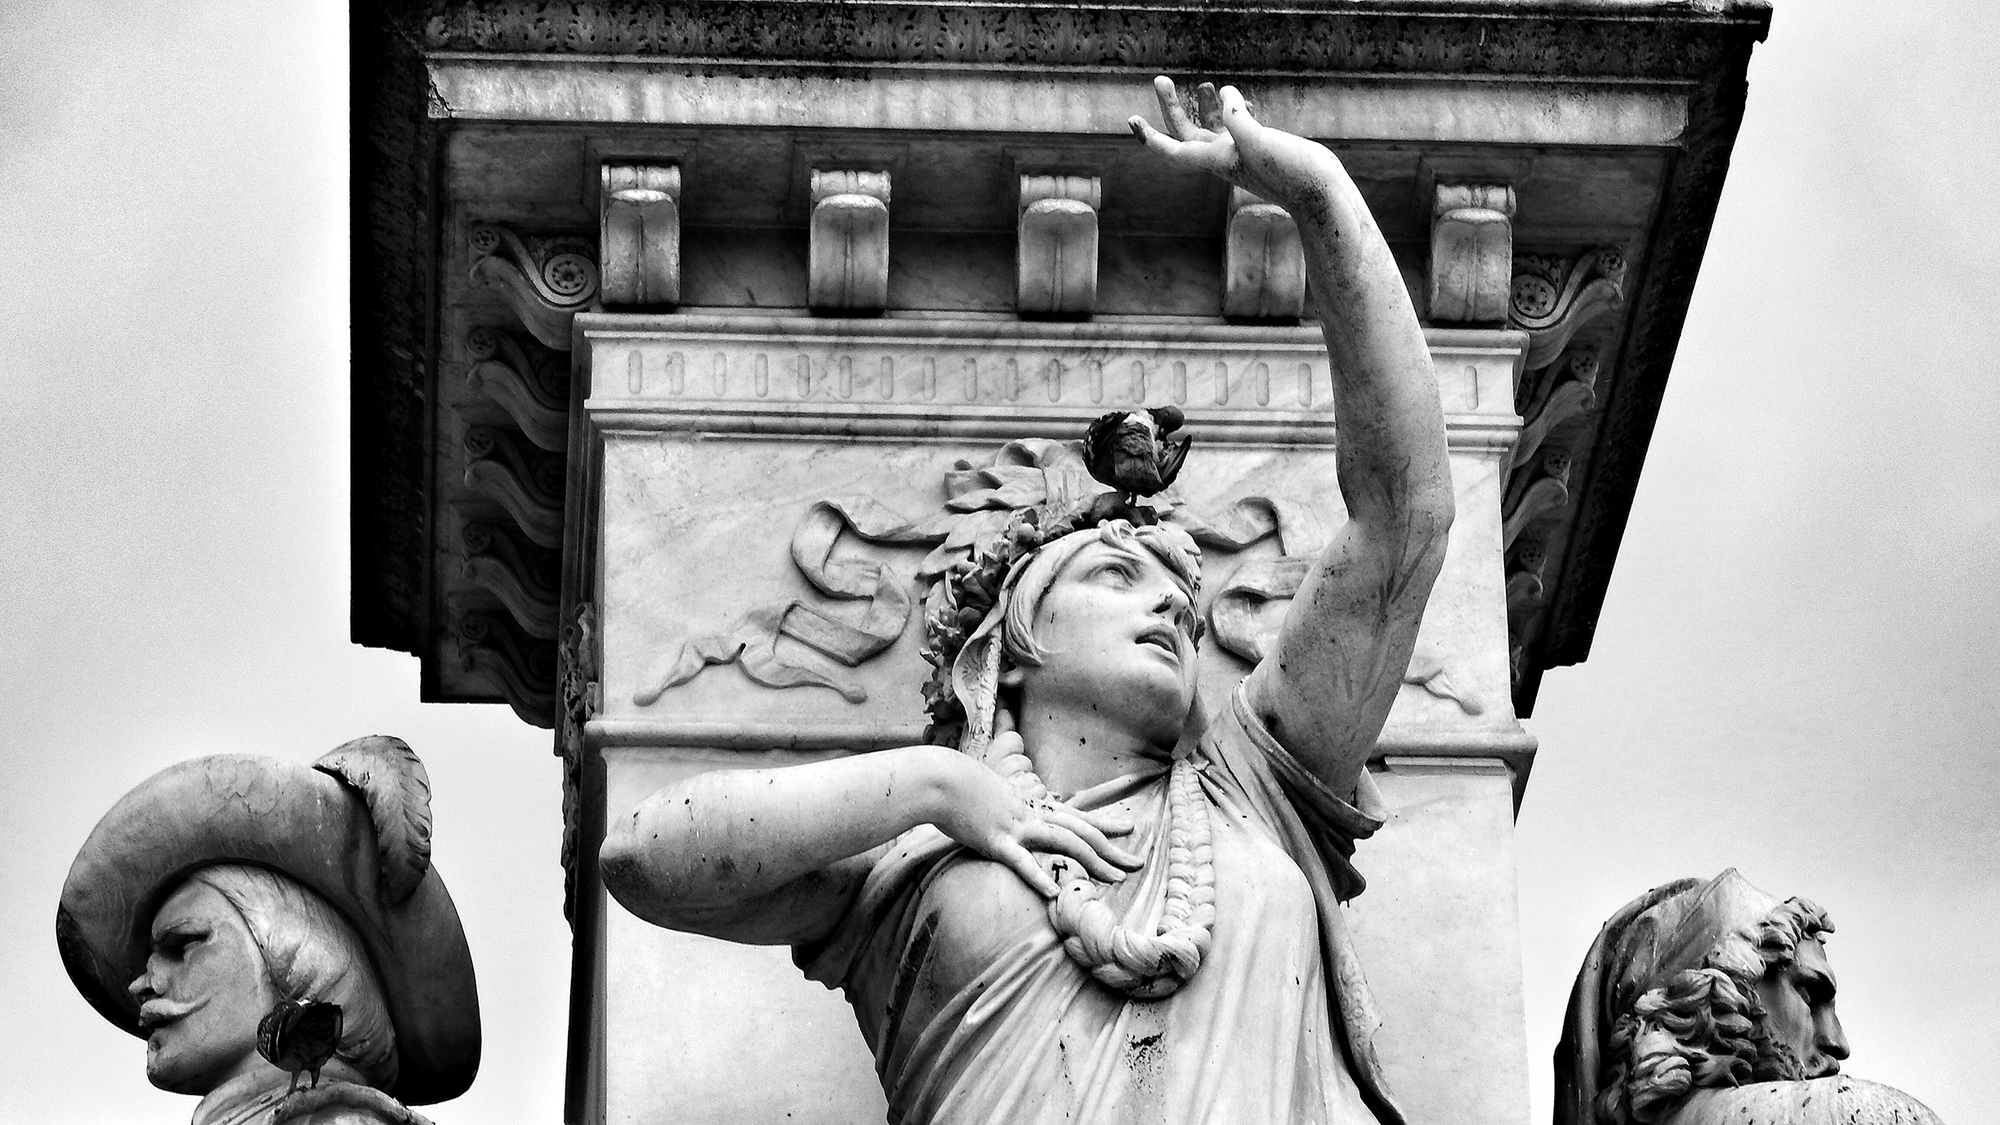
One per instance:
(1704,1027)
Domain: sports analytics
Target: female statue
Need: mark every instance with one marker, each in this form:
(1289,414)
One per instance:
(276,935)
(1110,902)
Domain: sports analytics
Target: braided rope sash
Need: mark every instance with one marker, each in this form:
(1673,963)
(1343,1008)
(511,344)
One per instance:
(1142,966)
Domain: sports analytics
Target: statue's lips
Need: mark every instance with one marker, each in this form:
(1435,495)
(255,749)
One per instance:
(156,1014)
(1164,638)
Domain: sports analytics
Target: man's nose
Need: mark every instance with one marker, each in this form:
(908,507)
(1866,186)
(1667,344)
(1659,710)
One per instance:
(1831,1040)
(1173,602)
(141,987)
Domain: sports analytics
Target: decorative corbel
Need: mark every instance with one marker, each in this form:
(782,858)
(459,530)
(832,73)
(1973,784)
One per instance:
(1524,575)
(1472,252)
(527,481)
(526,577)
(523,668)
(1554,298)
(1263,265)
(1563,393)
(847,263)
(639,234)
(529,381)
(546,281)
(1533,493)
(1056,252)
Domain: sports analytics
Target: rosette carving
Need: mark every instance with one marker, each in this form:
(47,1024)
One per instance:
(546,281)
(1553,298)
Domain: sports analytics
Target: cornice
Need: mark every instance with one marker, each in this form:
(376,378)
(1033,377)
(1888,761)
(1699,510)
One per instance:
(1547,40)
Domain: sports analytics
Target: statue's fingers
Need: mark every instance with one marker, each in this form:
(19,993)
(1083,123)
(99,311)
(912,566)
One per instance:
(1157,141)
(1109,823)
(1092,835)
(1171,110)
(1236,115)
(1021,862)
(1207,107)
(1005,742)
(1057,839)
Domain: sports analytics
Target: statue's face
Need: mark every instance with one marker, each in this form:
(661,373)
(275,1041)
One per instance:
(203,991)
(1799,1018)
(1118,632)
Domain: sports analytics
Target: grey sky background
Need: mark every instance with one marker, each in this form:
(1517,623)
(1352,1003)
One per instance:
(1793,673)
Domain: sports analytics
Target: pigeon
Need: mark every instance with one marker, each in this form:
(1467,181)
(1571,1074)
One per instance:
(299,1037)
(1131,452)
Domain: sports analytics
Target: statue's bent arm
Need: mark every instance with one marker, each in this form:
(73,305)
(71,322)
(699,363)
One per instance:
(776,856)
(1326,688)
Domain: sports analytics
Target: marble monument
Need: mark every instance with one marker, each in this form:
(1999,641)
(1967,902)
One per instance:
(1708,1001)
(277,936)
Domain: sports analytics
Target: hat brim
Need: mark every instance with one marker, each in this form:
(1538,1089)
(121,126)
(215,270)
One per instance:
(301,823)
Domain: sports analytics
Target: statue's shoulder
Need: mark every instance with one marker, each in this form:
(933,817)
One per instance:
(343,1103)
(1837,1100)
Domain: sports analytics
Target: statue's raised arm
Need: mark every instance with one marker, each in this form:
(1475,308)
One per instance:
(1326,688)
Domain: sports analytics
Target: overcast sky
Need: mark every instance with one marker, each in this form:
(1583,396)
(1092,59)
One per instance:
(1794,671)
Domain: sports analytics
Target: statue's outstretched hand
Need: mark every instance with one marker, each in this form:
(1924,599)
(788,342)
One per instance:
(983,811)
(1229,143)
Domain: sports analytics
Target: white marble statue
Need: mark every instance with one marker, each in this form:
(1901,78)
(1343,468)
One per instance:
(1112,901)
(1705,1002)
(277,936)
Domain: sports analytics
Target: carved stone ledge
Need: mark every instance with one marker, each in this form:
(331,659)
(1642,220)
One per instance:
(526,481)
(1056,258)
(1533,493)
(546,281)
(529,381)
(1559,394)
(1472,252)
(848,253)
(526,577)
(1263,265)
(1554,298)
(639,235)
(522,668)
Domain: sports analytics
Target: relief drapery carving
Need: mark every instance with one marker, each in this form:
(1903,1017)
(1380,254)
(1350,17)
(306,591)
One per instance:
(979,503)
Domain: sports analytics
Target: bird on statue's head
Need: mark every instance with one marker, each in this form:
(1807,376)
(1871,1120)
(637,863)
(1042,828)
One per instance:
(1132,451)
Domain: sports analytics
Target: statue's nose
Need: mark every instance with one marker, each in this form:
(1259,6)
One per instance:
(1832,1041)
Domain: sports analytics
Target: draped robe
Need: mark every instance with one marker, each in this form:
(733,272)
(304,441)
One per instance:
(976,1014)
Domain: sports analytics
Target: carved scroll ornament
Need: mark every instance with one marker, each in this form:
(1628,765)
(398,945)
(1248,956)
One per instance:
(528,381)
(1554,298)
(546,281)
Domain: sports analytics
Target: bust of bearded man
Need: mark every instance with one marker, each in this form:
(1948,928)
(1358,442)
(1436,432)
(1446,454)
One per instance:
(1702,1002)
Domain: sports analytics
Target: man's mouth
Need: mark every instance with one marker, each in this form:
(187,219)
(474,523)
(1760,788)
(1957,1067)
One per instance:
(156,1014)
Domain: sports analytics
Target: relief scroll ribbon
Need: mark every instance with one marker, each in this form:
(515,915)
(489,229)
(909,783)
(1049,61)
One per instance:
(752,643)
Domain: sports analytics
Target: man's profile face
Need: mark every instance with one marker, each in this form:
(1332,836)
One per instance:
(203,991)
(1799,1019)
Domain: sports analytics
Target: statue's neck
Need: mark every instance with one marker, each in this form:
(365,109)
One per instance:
(1074,748)
(245,1096)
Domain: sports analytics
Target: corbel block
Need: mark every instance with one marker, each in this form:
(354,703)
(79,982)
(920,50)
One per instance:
(639,235)
(1472,252)
(1263,265)
(1056,258)
(848,257)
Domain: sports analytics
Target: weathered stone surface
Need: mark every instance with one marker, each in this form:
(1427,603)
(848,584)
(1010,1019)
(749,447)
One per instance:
(222,886)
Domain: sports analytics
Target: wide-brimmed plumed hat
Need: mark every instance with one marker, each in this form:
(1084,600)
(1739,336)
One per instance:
(354,828)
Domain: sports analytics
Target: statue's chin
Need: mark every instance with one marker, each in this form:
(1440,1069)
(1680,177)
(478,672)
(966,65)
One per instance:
(1834,1100)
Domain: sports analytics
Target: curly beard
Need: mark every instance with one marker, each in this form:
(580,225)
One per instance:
(1776,1062)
